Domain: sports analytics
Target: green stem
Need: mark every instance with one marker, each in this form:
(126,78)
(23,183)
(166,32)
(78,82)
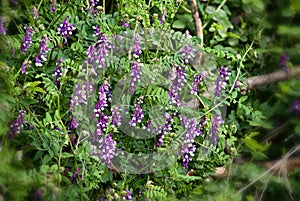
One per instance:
(221,5)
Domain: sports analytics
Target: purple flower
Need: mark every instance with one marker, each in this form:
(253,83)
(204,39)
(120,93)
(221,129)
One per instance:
(163,18)
(25,65)
(104,98)
(295,107)
(57,72)
(35,13)
(15,2)
(125,24)
(214,129)
(105,149)
(136,46)
(282,61)
(198,79)
(73,124)
(187,34)
(80,94)
(97,54)
(176,85)
(103,46)
(187,53)
(17,125)
(75,176)
(128,195)
(102,122)
(188,147)
(97,31)
(116,116)
(135,76)
(13,51)
(42,56)
(164,129)
(2,27)
(236,84)
(53,6)
(138,113)
(27,41)
(94,2)
(149,127)
(221,81)
(65,28)
(38,195)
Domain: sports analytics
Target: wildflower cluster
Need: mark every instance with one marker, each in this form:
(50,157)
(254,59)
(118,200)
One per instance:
(98,53)
(53,6)
(106,146)
(163,17)
(73,124)
(193,129)
(81,92)
(214,129)
(128,195)
(176,85)
(125,24)
(35,13)
(162,130)
(137,50)
(2,27)
(116,119)
(198,79)
(104,98)
(94,2)
(57,72)
(25,65)
(107,149)
(17,125)
(75,175)
(295,107)
(65,28)
(282,61)
(221,81)
(41,57)
(135,76)
(27,40)
(138,113)
(187,53)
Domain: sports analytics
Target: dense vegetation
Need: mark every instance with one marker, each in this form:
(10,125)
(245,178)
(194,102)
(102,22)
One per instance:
(149,100)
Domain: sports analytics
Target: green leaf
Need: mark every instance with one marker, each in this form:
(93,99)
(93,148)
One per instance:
(38,89)
(178,24)
(254,145)
(233,41)
(31,84)
(242,99)
(247,1)
(258,5)
(66,155)
(232,35)
(234,94)
(48,117)
(295,5)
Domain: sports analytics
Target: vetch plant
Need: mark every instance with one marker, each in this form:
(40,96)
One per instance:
(119,105)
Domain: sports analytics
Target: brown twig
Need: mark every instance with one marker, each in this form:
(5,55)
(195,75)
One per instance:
(197,21)
(271,78)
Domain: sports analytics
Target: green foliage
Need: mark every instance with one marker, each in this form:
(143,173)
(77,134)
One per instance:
(50,157)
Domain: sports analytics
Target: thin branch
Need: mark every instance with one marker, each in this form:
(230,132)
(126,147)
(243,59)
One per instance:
(271,78)
(197,21)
